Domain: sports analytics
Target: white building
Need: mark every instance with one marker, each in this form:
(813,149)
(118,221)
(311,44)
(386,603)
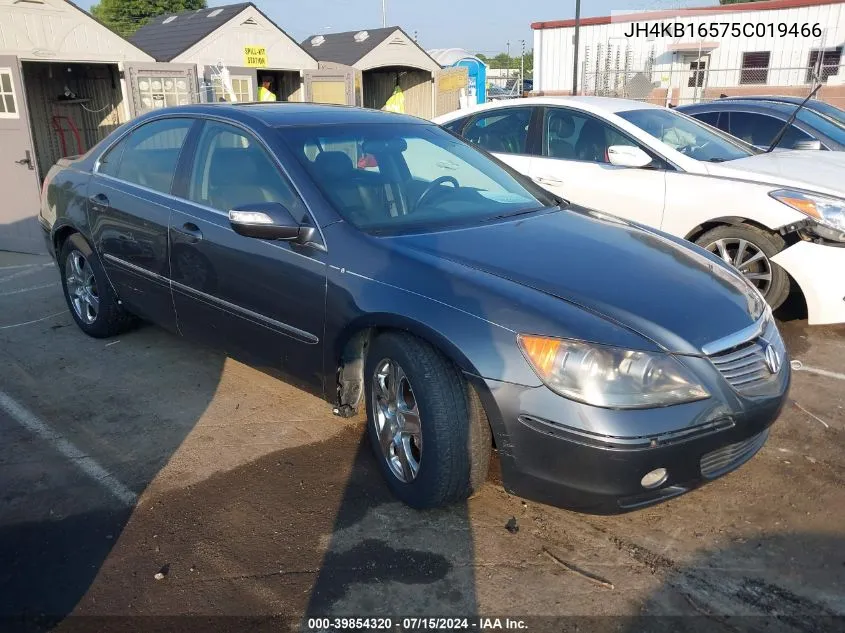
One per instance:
(686,55)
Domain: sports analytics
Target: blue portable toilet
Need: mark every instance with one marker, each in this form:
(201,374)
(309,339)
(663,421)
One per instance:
(453,57)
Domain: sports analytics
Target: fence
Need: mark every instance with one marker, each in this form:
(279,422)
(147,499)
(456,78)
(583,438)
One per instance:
(698,82)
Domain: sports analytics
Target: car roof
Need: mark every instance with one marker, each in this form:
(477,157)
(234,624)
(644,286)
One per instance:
(288,114)
(596,105)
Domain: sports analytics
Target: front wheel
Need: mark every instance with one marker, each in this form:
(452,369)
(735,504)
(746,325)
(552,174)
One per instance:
(750,251)
(426,426)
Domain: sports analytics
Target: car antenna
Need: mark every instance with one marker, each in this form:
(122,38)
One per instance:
(791,119)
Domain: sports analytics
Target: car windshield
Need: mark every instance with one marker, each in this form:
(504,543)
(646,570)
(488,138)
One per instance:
(688,136)
(830,111)
(394,177)
(827,126)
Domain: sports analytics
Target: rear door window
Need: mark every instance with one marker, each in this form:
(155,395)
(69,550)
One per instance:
(761,129)
(150,154)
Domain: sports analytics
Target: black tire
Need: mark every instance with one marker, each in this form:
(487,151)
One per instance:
(456,438)
(770,244)
(111,319)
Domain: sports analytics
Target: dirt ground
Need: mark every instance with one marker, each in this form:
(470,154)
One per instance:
(146,455)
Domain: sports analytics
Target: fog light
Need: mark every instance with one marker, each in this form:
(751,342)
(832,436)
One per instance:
(655,478)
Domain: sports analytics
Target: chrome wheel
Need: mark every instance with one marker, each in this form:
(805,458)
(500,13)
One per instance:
(397,420)
(82,287)
(747,259)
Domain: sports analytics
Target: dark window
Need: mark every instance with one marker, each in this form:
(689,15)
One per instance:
(232,169)
(151,153)
(710,118)
(504,131)
(573,135)
(827,66)
(696,78)
(110,162)
(761,129)
(755,68)
(457,125)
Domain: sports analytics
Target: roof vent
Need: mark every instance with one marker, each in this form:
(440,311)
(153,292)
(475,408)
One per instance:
(317,41)
(170,19)
(214,13)
(360,36)
(249,22)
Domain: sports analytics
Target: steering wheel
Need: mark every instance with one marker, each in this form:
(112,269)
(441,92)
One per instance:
(434,185)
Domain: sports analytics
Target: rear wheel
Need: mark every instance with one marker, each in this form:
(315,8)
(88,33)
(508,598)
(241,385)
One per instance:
(750,251)
(90,297)
(426,426)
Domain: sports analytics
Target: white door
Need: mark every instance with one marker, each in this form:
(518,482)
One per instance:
(504,133)
(694,69)
(19,183)
(158,85)
(336,85)
(574,165)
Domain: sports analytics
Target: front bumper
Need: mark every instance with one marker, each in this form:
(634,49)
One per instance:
(818,271)
(592,460)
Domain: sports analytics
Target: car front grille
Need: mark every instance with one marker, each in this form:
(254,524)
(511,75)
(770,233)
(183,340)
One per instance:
(728,457)
(744,368)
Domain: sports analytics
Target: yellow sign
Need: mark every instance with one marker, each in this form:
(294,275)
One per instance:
(255,56)
(450,82)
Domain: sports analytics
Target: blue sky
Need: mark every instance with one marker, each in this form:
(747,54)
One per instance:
(478,25)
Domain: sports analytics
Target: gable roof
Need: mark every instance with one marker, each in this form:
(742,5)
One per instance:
(170,35)
(342,48)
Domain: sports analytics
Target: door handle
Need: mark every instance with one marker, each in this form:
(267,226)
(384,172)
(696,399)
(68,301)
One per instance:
(26,160)
(100,200)
(548,180)
(190,231)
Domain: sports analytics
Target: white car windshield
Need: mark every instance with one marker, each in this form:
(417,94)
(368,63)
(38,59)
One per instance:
(688,136)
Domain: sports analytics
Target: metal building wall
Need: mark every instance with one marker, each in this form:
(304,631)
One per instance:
(554,49)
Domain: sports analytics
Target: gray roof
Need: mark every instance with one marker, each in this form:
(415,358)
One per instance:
(342,48)
(165,39)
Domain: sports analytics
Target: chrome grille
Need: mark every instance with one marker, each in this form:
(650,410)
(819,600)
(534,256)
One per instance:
(744,368)
(728,457)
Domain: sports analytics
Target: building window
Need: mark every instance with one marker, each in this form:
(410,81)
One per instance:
(755,68)
(8,103)
(696,78)
(163,92)
(824,63)
(242,87)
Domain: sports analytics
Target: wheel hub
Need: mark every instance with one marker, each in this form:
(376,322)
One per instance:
(82,287)
(397,420)
(747,258)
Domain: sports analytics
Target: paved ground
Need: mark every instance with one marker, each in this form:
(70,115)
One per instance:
(125,458)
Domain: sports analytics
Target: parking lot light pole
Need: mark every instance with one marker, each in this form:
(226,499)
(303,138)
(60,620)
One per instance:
(576,44)
(383,13)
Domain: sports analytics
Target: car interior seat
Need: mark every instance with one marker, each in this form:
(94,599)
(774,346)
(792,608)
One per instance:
(592,144)
(358,192)
(561,127)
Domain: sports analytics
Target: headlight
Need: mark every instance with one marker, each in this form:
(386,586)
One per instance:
(608,376)
(829,212)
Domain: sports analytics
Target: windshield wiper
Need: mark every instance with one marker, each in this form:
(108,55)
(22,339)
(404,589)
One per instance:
(518,213)
(791,119)
(716,160)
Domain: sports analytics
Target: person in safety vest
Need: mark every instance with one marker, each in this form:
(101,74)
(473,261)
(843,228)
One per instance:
(396,102)
(265,91)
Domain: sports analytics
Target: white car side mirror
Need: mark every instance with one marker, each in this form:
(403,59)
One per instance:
(627,156)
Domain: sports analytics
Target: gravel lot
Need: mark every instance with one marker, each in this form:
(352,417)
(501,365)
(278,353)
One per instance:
(147,455)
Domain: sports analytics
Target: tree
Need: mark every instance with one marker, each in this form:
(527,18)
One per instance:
(127,16)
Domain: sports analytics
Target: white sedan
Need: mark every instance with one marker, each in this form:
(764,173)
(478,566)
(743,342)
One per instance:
(778,217)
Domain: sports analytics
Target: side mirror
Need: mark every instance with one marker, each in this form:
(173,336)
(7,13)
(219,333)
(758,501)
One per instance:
(813,143)
(627,156)
(268,221)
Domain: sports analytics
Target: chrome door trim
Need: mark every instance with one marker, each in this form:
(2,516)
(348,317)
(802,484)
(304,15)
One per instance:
(745,335)
(255,317)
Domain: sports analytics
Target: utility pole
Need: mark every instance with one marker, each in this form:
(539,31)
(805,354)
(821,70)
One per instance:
(522,70)
(577,45)
(508,71)
(384,13)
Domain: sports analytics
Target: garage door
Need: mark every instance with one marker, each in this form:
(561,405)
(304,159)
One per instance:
(154,86)
(19,183)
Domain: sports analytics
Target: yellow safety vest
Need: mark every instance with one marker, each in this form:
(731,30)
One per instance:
(265,95)
(396,103)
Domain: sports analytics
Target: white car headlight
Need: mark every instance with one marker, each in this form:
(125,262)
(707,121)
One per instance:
(610,377)
(826,210)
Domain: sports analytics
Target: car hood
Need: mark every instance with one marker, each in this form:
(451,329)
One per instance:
(672,293)
(816,170)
